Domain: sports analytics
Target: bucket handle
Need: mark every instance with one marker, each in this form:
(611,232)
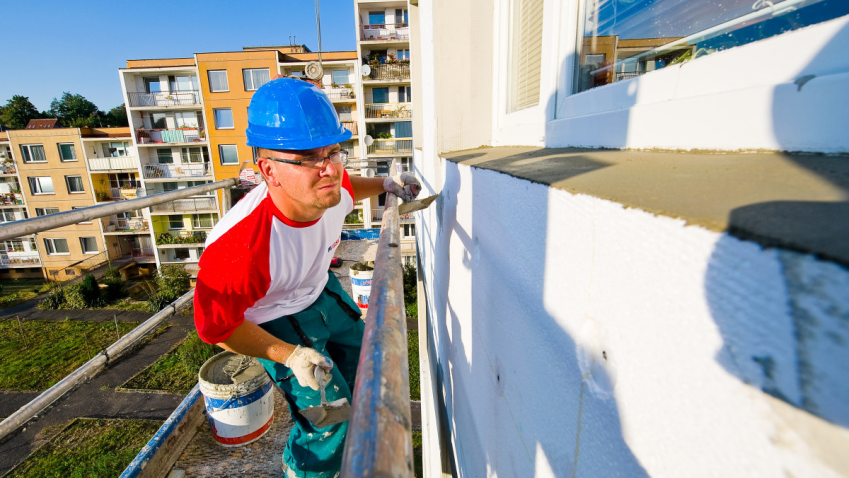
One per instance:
(225,404)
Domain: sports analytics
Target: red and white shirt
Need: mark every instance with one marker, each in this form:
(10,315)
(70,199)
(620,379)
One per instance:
(259,265)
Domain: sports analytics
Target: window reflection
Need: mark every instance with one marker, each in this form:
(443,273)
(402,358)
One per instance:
(623,39)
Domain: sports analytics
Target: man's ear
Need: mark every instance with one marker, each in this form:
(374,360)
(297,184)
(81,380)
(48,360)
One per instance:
(268,171)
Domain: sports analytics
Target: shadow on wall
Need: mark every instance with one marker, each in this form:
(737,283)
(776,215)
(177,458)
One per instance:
(522,399)
(794,343)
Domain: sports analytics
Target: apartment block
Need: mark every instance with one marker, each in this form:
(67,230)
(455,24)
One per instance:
(19,257)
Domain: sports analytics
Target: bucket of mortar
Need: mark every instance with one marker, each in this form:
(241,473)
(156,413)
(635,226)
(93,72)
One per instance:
(361,273)
(238,398)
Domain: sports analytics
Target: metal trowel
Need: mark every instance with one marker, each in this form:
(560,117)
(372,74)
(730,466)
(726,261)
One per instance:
(327,414)
(416,205)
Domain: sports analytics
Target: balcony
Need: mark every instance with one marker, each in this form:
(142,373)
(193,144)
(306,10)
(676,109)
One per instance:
(160,136)
(185,206)
(391,147)
(11,199)
(8,168)
(125,226)
(389,110)
(168,171)
(112,164)
(118,194)
(386,32)
(164,98)
(352,127)
(166,240)
(11,259)
(143,254)
(390,72)
(340,93)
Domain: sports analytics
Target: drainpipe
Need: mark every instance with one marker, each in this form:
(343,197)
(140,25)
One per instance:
(52,221)
(92,367)
(379,441)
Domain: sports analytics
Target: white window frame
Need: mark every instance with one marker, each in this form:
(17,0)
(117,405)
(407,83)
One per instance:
(723,101)
(50,246)
(73,150)
(215,118)
(226,81)
(252,87)
(82,245)
(42,211)
(40,187)
(221,155)
(26,152)
(171,225)
(68,184)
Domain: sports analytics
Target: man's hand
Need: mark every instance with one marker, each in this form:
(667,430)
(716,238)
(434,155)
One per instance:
(405,186)
(303,362)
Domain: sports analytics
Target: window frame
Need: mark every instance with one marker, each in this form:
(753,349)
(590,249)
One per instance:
(171,222)
(226,80)
(68,184)
(215,118)
(73,151)
(221,155)
(32,180)
(27,153)
(82,245)
(44,212)
(159,156)
(50,246)
(253,87)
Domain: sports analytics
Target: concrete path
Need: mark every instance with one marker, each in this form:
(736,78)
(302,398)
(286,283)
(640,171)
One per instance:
(96,398)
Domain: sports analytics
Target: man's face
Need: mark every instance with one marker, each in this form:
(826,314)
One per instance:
(305,186)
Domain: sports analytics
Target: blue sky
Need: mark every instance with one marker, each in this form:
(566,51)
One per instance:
(53,46)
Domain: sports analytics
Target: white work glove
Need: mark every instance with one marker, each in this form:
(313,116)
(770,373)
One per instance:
(405,186)
(303,362)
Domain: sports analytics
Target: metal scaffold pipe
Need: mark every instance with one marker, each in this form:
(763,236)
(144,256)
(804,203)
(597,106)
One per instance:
(52,221)
(92,367)
(379,441)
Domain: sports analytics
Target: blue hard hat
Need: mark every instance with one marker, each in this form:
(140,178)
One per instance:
(292,114)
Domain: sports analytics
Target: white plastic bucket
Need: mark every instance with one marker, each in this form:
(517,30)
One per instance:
(361,286)
(238,398)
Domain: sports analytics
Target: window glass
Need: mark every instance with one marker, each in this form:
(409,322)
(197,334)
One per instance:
(339,77)
(115,149)
(43,211)
(164,156)
(404,129)
(41,185)
(403,54)
(186,120)
(152,85)
(380,95)
(192,155)
(624,39)
(33,153)
(218,81)
(377,18)
(67,152)
(181,254)
(229,154)
(89,245)
(158,121)
(75,184)
(223,118)
(526,53)
(175,222)
(56,246)
(254,78)
(202,221)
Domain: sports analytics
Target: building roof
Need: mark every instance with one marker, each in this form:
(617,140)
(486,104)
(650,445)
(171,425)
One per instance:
(47,123)
(281,48)
(161,63)
(325,56)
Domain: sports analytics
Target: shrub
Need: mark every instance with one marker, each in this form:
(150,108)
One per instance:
(411,291)
(157,302)
(54,300)
(74,298)
(114,289)
(110,272)
(173,281)
(90,291)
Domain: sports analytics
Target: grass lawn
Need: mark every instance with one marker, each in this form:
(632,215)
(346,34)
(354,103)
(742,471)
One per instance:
(413,362)
(128,304)
(89,448)
(14,292)
(53,350)
(176,371)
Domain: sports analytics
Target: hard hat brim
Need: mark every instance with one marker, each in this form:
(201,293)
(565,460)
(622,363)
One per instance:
(258,140)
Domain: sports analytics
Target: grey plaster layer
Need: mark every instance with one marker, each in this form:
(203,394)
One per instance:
(794,201)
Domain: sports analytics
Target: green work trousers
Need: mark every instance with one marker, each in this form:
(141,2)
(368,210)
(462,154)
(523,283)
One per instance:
(332,326)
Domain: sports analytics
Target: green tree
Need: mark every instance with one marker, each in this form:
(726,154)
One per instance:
(173,281)
(75,111)
(117,116)
(17,112)
(411,292)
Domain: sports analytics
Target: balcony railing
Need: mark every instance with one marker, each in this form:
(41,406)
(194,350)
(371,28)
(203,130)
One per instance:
(106,164)
(352,127)
(391,146)
(160,171)
(118,194)
(142,252)
(186,205)
(386,31)
(11,199)
(8,168)
(389,110)
(19,258)
(390,72)
(165,98)
(339,93)
(126,225)
(156,136)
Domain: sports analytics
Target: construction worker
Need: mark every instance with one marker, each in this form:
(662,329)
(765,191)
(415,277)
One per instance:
(264,289)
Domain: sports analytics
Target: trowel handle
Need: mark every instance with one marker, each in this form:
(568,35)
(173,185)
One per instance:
(320,377)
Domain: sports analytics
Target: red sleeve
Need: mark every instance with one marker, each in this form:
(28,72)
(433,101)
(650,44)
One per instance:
(233,275)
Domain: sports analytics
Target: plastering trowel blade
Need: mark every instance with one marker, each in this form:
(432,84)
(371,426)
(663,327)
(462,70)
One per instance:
(327,414)
(416,205)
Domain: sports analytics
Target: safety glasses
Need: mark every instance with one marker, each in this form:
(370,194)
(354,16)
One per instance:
(337,157)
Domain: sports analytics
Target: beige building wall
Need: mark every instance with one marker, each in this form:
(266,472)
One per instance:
(58,171)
